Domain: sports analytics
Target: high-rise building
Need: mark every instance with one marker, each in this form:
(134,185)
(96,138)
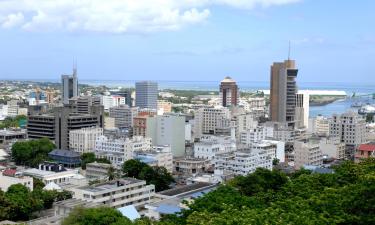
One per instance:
(126,93)
(57,124)
(146,94)
(69,86)
(229,92)
(209,120)
(283,92)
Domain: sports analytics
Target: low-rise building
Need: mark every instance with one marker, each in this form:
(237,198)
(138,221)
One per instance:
(243,162)
(307,152)
(51,172)
(8,135)
(190,166)
(365,151)
(157,156)
(251,136)
(8,178)
(65,157)
(332,147)
(120,150)
(118,193)
(83,140)
(210,145)
(274,149)
(97,170)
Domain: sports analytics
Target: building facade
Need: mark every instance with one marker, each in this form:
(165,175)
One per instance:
(83,140)
(69,86)
(229,93)
(146,94)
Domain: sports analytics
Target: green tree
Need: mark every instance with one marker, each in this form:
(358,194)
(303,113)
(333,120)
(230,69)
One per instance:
(32,152)
(133,168)
(89,157)
(97,216)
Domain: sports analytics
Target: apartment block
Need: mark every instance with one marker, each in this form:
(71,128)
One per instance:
(307,152)
(118,193)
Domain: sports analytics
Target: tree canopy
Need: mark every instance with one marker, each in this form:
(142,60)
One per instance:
(90,157)
(158,176)
(32,152)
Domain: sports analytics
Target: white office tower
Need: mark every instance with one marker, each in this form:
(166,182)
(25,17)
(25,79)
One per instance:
(307,152)
(168,129)
(83,140)
(123,115)
(146,95)
(69,86)
(332,147)
(120,150)
(209,146)
(242,162)
(210,120)
(251,136)
(302,109)
(350,128)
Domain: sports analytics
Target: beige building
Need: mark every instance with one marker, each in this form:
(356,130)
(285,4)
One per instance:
(332,147)
(83,140)
(307,152)
(208,120)
(189,166)
(164,107)
(283,92)
(109,122)
(97,170)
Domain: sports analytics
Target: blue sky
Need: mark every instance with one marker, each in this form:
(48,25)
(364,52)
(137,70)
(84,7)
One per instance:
(195,40)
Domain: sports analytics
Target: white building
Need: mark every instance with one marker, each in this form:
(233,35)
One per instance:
(210,145)
(168,129)
(332,147)
(13,108)
(157,156)
(7,181)
(118,193)
(350,128)
(274,149)
(242,162)
(302,109)
(48,174)
(307,152)
(120,150)
(3,111)
(250,136)
(83,140)
(109,101)
(208,120)
(319,125)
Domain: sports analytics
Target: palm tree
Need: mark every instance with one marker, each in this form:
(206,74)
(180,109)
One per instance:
(112,173)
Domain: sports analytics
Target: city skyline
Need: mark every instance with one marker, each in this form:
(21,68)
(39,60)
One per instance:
(197,40)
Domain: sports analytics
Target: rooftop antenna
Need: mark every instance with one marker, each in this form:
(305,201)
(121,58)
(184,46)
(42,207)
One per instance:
(74,67)
(289,51)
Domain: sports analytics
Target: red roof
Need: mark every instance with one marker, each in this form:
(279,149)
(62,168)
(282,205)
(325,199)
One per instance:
(9,172)
(367,147)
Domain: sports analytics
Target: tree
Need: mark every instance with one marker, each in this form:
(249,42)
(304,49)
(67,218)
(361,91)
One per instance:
(32,152)
(97,216)
(112,173)
(90,157)
(133,168)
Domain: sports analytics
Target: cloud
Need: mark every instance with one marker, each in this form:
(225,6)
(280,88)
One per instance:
(307,40)
(12,20)
(115,16)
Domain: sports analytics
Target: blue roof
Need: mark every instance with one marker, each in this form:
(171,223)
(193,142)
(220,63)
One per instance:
(130,212)
(200,193)
(168,209)
(146,159)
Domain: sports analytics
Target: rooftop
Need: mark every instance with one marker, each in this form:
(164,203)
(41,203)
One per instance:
(367,147)
(111,185)
(228,80)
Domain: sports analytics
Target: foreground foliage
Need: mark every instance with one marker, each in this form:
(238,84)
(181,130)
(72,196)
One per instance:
(270,197)
(19,203)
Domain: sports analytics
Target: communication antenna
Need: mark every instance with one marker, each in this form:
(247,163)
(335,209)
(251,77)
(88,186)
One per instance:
(289,51)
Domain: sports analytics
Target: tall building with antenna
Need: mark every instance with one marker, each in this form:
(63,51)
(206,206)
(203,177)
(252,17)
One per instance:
(283,91)
(69,86)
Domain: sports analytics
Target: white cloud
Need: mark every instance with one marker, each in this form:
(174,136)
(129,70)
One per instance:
(12,20)
(114,16)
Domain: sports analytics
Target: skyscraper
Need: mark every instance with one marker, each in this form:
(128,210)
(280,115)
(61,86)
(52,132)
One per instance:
(146,94)
(69,86)
(228,92)
(283,92)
